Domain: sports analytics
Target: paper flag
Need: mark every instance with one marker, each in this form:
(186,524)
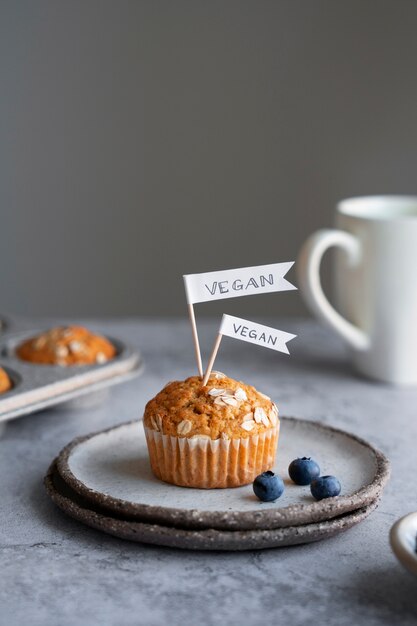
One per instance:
(252,332)
(244,281)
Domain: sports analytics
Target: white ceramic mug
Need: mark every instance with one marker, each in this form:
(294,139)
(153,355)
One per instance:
(375,283)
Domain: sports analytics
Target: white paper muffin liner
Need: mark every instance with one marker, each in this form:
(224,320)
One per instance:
(206,463)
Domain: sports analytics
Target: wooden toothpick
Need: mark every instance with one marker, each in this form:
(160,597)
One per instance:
(212,359)
(195,340)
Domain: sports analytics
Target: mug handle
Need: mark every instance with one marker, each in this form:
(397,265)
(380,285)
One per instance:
(308,265)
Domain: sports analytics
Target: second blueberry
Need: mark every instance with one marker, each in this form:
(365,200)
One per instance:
(303,471)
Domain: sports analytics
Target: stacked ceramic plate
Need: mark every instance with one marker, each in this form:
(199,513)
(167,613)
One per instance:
(104,480)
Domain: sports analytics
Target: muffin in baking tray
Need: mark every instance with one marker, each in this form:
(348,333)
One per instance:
(220,435)
(66,346)
(5,382)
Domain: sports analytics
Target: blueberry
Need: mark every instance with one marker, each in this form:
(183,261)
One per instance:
(325,487)
(268,486)
(303,471)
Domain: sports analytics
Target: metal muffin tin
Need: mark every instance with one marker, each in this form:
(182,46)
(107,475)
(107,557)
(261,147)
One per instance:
(38,386)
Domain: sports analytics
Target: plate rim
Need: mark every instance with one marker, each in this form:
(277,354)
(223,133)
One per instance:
(281,517)
(202,538)
(399,544)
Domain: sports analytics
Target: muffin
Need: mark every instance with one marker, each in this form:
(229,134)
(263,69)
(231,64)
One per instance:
(5,382)
(66,346)
(220,435)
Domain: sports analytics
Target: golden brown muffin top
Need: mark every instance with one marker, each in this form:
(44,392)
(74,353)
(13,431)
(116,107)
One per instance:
(5,382)
(224,408)
(66,345)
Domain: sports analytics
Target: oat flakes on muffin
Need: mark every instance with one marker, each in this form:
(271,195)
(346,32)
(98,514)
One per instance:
(5,382)
(220,435)
(66,346)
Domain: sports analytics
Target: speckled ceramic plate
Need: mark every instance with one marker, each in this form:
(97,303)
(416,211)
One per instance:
(403,538)
(194,539)
(111,469)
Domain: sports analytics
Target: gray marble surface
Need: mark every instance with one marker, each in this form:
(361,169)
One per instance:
(54,571)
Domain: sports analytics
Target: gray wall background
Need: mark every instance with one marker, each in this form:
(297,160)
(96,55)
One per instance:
(140,140)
